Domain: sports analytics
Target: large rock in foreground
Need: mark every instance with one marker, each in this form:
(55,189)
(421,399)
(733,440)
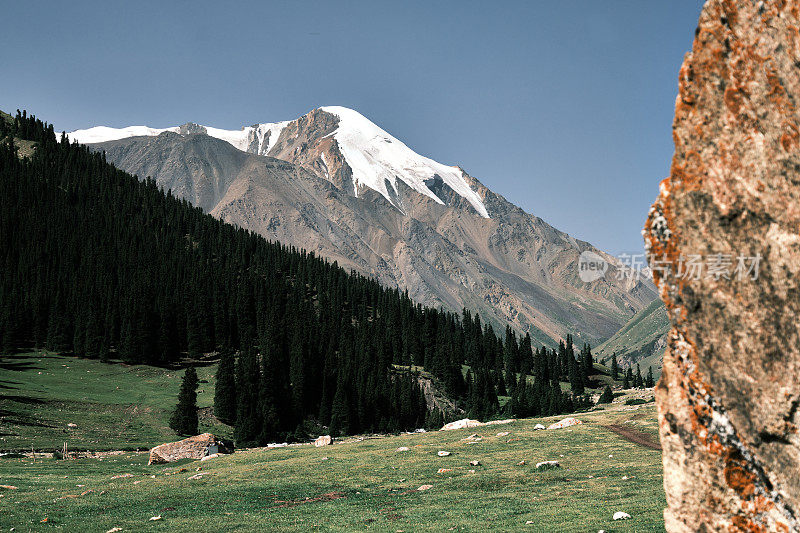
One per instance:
(195,447)
(724,239)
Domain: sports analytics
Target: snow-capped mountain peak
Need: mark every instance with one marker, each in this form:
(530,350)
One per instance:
(376,158)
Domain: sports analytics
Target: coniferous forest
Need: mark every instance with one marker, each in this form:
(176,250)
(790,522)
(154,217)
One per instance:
(97,263)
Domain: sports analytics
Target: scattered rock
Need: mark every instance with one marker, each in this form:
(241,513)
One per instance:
(424,487)
(324,440)
(444,470)
(402,449)
(619,515)
(475,463)
(567,422)
(521,463)
(548,465)
(72,425)
(502,434)
(154,518)
(498,422)
(198,476)
(443,454)
(539,427)
(468,423)
(114,530)
(212,456)
(195,447)
(8,487)
(461,424)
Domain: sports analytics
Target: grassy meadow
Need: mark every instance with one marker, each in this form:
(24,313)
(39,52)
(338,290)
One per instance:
(115,406)
(353,485)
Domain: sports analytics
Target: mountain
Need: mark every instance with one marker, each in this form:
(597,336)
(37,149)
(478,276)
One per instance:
(99,264)
(336,184)
(642,340)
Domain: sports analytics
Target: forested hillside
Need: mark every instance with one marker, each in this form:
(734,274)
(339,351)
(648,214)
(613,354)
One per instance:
(100,264)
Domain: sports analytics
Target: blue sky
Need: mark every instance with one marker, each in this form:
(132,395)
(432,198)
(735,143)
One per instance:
(564,107)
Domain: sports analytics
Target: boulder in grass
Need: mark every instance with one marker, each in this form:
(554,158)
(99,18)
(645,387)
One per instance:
(539,427)
(620,515)
(548,465)
(324,440)
(461,424)
(195,447)
(567,422)
(496,422)
(443,454)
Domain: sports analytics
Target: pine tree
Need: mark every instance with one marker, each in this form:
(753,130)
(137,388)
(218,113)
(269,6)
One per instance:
(650,382)
(575,378)
(248,378)
(340,411)
(588,361)
(607,396)
(225,388)
(638,381)
(614,367)
(184,419)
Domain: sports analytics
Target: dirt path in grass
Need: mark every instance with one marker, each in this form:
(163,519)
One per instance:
(635,436)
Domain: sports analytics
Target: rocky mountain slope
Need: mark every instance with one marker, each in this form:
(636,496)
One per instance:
(334,183)
(642,340)
(729,394)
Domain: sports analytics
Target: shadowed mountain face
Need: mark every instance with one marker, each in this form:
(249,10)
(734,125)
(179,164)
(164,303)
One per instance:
(335,184)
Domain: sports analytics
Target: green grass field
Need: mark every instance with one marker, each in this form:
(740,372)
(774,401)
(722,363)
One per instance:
(115,406)
(353,485)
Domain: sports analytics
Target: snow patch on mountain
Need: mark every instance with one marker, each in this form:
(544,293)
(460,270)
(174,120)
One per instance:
(263,135)
(100,134)
(377,159)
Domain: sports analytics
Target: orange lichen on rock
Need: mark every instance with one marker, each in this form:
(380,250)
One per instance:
(728,397)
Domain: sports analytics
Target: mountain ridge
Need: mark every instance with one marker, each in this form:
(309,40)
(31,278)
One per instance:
(422,231)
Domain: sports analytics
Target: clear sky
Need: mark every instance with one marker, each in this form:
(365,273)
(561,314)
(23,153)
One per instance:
(563,107)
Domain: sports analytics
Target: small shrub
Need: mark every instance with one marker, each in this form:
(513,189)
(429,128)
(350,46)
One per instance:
(635,401)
